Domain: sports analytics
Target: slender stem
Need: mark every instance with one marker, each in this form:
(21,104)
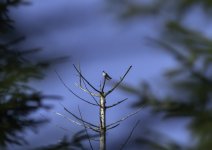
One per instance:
(103,85)
(102,123)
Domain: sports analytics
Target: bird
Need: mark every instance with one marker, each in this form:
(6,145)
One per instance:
(106,76)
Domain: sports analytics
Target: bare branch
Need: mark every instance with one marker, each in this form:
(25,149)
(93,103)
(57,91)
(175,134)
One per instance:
(77,123)
(103,86)
(113,127)
(119,102)
(86,90)
(85,129)
(117,84)
(73,92)
(69,119)
(86,80)
(80,76)
(100,85)
(128,138)
(124,118)
(56,124)
(75,116)
(91,93)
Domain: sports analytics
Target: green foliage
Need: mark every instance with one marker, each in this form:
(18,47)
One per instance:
(18,100)
(6,23)
(127,9)
(190,83)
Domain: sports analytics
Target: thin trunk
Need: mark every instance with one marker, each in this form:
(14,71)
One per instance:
(102,123)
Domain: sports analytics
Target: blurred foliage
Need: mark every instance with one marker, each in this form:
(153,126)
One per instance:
(65,144)
(127,9)
(152,140)
(18,100)
(190,83)
(6,23)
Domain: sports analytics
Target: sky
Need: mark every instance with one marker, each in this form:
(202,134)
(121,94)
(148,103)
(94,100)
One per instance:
(89,34)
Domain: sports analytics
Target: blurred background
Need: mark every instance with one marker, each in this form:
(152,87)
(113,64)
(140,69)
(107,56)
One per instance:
(167,42)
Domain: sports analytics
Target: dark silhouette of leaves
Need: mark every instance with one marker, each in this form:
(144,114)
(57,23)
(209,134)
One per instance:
(18,100)
(190,83)
(66,144)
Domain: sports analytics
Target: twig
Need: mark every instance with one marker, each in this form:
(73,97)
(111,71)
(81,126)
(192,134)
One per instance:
(80,76)
(124,118)
(113,127)
(85,89)
(85,129)
(56,124)
(69,119)
(128,138)
(86,80)
(119,102)
(100,85)
(117,84)
(90,93)
(103,86)
(77,123)
(73,92)
(75,116)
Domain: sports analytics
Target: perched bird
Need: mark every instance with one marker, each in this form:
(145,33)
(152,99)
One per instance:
(106,76)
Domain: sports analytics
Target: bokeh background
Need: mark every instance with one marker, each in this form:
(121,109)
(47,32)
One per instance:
(167,42)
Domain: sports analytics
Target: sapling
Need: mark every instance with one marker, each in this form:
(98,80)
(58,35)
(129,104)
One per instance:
(99,100)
